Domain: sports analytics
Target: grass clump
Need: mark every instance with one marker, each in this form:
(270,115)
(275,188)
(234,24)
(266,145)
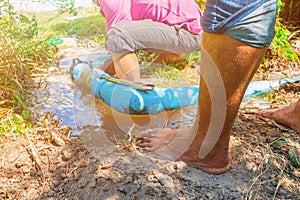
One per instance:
(23,52)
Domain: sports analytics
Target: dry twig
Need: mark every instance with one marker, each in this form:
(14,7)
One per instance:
(37,161)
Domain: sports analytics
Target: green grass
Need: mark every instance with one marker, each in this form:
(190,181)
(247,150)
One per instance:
(86,27)
(168,72)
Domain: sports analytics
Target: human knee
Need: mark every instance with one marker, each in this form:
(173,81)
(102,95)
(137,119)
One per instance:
(118,42)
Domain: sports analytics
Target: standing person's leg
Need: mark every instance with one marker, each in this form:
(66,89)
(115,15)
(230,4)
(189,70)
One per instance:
(227,66)
(236,63)
(289,115)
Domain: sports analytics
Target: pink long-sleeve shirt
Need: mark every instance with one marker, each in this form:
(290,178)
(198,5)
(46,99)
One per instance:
(171,12)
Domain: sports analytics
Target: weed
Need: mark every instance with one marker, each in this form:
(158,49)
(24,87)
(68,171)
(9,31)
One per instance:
(271,96)
(12,122)
(23,52)
(193,58)
(168,72)
(280,43)
(280,47)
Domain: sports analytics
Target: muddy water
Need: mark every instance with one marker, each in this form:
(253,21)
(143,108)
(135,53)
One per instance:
(89,117)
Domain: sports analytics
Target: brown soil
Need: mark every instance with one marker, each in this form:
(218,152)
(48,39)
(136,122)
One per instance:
(68,169)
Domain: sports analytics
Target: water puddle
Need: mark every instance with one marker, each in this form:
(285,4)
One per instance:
(89,117)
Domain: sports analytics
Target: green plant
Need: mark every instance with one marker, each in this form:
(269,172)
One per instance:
(23,52)
(280,43)
(12,122)
(193,58)
(168,72)
(271,96)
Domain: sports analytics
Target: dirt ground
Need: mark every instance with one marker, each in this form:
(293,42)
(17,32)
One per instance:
(68,169)
(52,165)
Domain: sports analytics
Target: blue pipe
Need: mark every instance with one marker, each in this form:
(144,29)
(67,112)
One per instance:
(135,101)
(131,100)
(264,86)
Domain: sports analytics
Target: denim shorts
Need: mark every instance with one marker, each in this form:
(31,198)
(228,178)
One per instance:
(250,21)
(151,36)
